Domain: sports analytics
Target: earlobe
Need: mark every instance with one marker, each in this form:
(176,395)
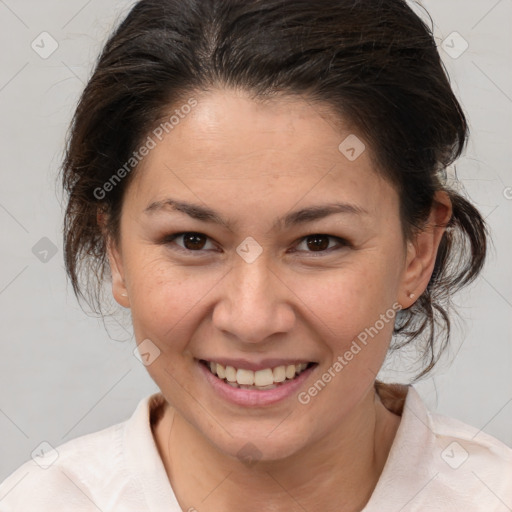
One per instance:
(422,250)
(409,286)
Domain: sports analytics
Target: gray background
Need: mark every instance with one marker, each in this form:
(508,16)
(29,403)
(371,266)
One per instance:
(62,374)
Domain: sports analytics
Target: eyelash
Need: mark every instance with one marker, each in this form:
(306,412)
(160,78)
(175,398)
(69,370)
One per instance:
(168,239)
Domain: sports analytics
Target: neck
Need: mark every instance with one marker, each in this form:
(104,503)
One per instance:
(338,472)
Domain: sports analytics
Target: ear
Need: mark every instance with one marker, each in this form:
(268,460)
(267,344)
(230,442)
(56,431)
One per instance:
(119,290)
(422,250)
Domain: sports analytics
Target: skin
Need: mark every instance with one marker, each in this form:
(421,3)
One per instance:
(252,163)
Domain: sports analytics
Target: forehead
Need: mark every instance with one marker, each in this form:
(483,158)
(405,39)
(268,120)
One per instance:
(283,151)
(229,126)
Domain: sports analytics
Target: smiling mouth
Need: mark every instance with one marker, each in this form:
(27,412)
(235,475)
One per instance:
(260,380)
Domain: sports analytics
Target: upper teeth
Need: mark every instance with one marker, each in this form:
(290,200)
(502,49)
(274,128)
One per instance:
(259,378)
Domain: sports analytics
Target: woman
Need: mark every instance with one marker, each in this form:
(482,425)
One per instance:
(263,183)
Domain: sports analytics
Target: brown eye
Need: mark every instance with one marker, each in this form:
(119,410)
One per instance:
(320,243)
(194,241)
(317,242)
(189,242)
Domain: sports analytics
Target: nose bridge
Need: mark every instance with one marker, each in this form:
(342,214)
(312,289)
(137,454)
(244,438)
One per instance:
(252,283)
(253,304)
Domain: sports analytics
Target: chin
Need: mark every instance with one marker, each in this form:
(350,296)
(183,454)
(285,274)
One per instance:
(259,446)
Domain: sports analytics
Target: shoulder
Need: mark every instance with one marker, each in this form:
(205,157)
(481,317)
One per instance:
(483,459)
(80,475)
(441,463)
(465,466)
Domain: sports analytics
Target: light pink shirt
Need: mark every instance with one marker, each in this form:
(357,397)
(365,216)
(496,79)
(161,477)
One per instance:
(435,464)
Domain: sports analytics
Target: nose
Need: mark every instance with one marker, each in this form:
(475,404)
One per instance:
(254,304)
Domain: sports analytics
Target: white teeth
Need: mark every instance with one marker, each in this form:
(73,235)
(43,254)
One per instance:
(230,374)
(290,371)
(245,377)
(263,388)
(260,379)
(279,374)
(221,371)
(263,377)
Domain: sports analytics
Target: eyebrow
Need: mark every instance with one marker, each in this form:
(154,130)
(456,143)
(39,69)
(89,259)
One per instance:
(301,216)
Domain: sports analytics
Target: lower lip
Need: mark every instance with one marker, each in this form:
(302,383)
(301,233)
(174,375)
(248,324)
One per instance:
(255,397)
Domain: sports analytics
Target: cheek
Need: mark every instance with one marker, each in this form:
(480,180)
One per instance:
(349,297)
(353,318)
(353,311)
(165,299)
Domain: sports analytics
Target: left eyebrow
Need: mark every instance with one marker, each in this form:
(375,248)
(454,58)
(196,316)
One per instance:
(313,213)
(303,216)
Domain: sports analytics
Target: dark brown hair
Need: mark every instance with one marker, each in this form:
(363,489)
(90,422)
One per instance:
(373,63)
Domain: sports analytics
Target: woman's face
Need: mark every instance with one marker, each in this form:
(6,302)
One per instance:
(258,291)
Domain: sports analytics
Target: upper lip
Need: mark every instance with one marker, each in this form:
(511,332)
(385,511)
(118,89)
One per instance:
(262,364)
